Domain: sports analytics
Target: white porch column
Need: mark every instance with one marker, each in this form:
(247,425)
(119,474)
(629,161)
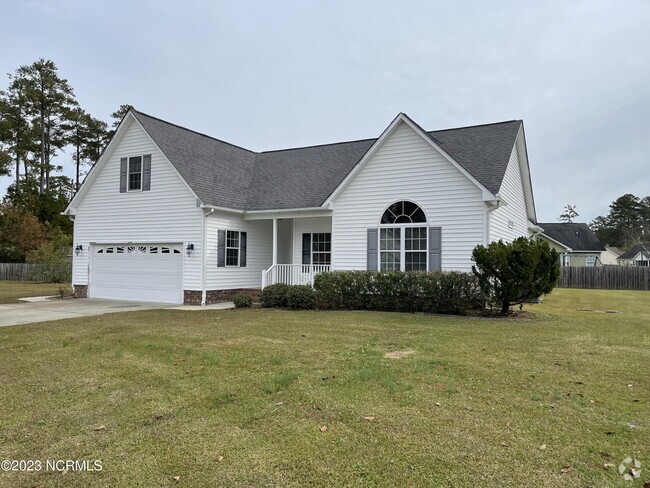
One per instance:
(275,241)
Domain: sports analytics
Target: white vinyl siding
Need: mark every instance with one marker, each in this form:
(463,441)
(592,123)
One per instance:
(259,241)
(406,167)
(166,213)
(510,220)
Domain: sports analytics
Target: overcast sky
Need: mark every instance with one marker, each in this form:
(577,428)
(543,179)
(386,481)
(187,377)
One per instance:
(274,74)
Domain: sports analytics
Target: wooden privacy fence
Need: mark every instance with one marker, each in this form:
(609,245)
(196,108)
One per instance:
(606,277)
(34,272)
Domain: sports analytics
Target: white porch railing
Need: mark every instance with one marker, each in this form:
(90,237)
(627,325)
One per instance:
(292,274)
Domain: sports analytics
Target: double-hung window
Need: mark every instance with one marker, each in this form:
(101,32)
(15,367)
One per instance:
(135,173)
(232,247)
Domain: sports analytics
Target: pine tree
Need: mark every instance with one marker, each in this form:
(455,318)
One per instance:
(569,214)
(47,100)
(117,117)
(87,136)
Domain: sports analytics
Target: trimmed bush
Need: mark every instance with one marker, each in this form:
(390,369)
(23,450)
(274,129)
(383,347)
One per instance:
(301,297)
(242,301)
(449,292)
(343,289)
(274,295)
(511,273)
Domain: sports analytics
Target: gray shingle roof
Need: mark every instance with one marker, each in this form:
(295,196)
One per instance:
(483,150)
(636,249)
(229,176)
(304,177)
(218,172)
(578,237)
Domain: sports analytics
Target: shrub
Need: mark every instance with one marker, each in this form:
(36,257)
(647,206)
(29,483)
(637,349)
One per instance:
(452,293)
(274,295)
(64,292)
(510,274)
(53,261)
(343,289)
(242,301)
(301,297)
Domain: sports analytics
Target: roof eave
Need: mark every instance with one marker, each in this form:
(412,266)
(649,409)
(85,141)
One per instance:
(556,242)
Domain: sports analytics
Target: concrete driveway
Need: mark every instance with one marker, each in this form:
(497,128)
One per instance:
(42,311)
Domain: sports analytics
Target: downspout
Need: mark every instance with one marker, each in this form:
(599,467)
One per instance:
(492,205)
(204,252)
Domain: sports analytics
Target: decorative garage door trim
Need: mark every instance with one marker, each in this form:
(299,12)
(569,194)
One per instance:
(139,249)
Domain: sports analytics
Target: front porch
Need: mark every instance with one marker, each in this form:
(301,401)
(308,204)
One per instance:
(301,245)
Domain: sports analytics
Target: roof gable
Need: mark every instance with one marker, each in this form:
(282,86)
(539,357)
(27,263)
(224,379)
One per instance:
(228,176)
(635,250)
(579,237)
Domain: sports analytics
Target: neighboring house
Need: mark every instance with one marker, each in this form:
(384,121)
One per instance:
(576,243)
(168,214)
(638,255)
(610,256)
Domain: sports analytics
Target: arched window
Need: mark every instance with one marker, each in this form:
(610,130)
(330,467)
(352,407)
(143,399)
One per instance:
(403,212)
(403,238)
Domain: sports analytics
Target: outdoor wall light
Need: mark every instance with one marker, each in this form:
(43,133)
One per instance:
(78,249)
(189,249)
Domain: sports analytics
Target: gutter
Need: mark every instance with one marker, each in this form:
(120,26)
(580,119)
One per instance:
(212,208)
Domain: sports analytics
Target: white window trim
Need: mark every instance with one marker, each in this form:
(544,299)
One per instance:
(225,258)
(590,261)
(311,251)
(128,172)
(402,236)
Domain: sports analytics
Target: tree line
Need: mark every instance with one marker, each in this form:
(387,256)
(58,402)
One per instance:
(626,224)
(42,127)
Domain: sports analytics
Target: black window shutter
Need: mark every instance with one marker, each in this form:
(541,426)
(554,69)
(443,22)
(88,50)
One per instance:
(123,175)
(435,248)
(146,172)
(221,248)
(242,249)
(372,254)
(306,249)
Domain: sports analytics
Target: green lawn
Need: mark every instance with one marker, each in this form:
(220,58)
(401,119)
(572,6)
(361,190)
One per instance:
(11,291)
(239,397)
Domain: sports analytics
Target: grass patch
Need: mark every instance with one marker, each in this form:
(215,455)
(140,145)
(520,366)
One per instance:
(11,291)
(470,404)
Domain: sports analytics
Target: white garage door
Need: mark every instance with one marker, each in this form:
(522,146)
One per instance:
(142,272)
